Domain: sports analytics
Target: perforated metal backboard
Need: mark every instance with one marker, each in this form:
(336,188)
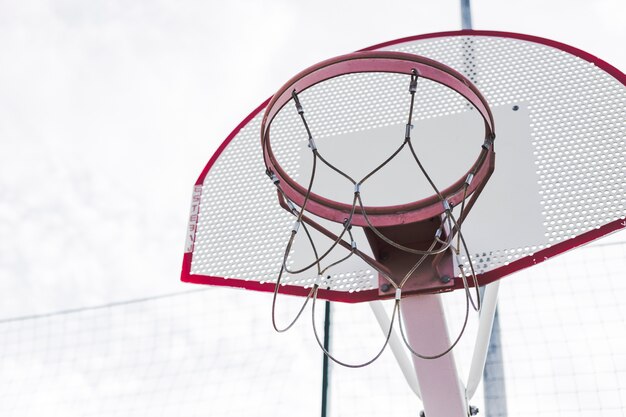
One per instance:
(559,179)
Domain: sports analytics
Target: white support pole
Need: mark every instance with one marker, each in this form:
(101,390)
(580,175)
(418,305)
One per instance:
(481,346)
(397,347)
(443,393)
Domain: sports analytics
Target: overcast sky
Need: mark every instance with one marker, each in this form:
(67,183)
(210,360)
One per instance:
(109,110)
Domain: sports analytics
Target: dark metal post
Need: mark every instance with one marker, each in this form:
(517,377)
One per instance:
(493,375)
(466,14)
(494,385)
(326,363)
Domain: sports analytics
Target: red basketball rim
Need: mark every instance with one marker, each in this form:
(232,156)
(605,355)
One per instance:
(391,62)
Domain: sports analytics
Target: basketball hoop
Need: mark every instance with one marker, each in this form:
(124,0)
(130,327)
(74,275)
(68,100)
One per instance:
(402,229)
(368,183)
(380,61)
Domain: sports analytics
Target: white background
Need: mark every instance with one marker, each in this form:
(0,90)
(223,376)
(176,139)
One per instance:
(110,109)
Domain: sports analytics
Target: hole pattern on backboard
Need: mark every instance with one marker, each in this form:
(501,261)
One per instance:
(578,115)
(241,229)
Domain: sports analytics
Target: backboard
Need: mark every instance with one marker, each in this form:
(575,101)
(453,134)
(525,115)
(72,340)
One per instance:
(559,179)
